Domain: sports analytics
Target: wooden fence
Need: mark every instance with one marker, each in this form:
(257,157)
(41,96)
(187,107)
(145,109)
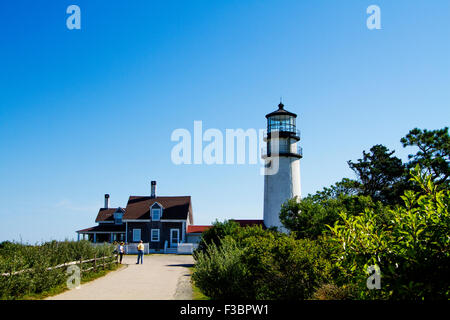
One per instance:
(80,262)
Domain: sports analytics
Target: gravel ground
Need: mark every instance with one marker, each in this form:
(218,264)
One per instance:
(160,277)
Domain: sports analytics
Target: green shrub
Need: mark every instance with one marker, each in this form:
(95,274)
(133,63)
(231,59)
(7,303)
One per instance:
(218,232)
(309,217)
(330,291)
(283,268)
(37,259)
(261,264)
(219,271)
(412,250)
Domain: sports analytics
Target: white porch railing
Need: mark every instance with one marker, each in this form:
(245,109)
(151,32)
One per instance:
(186,248)
(182,248)
(131,248)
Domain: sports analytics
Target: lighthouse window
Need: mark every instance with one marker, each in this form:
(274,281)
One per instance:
(281,123)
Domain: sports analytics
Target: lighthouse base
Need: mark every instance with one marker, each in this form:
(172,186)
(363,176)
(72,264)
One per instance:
(280,187)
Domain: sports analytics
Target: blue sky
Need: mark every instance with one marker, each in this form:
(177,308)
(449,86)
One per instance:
(88,112)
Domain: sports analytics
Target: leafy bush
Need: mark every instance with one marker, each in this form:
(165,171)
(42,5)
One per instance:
(218,232)
(219,271)
(261,264)
(330,291)
(412,249)
(309,217)
(36,260)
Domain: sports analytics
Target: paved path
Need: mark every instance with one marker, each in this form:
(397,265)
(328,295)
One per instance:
(161,277)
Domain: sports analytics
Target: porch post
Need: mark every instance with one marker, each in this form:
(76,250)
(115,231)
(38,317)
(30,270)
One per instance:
(95,237)
(183,231)
(78,237)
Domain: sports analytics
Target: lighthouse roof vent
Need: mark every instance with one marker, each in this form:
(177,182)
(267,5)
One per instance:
(281,112)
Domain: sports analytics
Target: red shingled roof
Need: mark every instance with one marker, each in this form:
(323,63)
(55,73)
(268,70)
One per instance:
(105,214)
(242,223)
(174,207)
(197,229)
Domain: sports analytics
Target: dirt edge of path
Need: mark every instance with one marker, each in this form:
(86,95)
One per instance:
(184,287)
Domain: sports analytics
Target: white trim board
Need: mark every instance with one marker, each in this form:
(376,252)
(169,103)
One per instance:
(86,232)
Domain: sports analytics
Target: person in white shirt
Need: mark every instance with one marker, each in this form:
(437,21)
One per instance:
(121,251)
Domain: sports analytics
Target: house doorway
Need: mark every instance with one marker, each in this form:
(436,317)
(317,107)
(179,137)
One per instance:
(174,237)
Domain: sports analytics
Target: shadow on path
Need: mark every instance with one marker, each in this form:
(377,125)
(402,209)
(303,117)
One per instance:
(183,265)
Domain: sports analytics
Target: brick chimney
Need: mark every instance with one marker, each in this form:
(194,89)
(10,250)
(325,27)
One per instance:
(106,201)
(153,189)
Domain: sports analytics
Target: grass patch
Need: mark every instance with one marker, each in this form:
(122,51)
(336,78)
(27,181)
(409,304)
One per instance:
(197,294)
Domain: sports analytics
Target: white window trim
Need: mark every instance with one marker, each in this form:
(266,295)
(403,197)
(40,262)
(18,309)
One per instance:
(134,233)
(161,208)
(151,235)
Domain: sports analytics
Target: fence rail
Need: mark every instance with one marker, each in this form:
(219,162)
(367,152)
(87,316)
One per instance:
(80,262)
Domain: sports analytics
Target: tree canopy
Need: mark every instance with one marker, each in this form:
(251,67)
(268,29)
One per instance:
(381,180)
(433,155)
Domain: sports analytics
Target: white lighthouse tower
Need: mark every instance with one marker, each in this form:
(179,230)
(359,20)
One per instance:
(282,164)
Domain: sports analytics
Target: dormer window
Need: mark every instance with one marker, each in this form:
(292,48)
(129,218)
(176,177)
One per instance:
(156,211)
(118,215)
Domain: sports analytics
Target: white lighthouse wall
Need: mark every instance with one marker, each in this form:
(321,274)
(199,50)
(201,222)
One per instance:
(280,187)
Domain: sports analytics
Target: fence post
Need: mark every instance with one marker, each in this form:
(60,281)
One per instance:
(95,262)
(81,265)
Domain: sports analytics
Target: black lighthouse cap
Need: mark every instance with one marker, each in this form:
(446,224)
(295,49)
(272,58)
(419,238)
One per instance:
(281,112)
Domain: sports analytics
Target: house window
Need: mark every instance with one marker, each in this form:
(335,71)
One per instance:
(156,212)
(118,216)
(136,235)
(155,235)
